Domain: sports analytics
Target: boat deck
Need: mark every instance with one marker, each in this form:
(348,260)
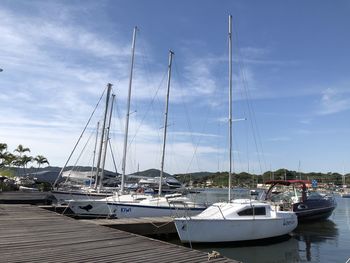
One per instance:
(31,234)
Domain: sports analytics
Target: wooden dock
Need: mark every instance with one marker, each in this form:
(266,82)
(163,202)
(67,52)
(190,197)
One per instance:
(31,234)
(33,198)
(140,226)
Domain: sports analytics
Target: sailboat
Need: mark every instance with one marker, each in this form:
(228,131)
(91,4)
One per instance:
(68,191)
(135,205)
(235,220)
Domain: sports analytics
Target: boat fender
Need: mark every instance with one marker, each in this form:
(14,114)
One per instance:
(302,206)
(213,255)
(140,190)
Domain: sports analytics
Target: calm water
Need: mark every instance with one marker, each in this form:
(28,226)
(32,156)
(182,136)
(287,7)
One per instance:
(324,241)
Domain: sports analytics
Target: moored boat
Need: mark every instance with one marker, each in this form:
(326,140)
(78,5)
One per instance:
(136,205)
(293,195)
(239,220)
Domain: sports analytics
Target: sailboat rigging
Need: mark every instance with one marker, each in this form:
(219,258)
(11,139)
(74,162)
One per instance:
(128,111)
(171,53)
(235,220)
(128,205)
(103,133)
(92,191)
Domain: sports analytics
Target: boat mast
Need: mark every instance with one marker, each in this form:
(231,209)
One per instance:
(128,110)
(171,53)
(230,105)
(93,160)
(106,142)
(109,87)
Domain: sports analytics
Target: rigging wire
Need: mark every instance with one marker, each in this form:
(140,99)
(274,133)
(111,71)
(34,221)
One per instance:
(207,114)
(148,109)
(253,122)
(148,75)
(112,154)
(79,156)
(81,135)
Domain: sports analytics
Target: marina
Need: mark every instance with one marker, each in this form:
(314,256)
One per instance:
(233,150)
(319,241)
(29,233)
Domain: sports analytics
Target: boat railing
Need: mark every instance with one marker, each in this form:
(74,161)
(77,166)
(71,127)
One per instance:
(176,204)
(219,210)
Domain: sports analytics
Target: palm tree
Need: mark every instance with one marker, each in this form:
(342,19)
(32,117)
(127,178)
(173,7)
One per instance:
(24,160)
(3,152)
(19,161)
(8,159)
(20,149)
(41,160)
(3,146)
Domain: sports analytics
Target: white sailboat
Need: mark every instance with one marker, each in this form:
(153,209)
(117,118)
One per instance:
(235,220)
(69,191)
(134,205)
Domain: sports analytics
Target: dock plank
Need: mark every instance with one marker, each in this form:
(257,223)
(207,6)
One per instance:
(28,233)
(141,225)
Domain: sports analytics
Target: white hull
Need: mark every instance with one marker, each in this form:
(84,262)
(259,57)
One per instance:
(142,210)
(211,226)
(64,196)
(129,206)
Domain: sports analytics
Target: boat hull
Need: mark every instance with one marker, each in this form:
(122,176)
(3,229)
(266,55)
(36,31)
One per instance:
(313,210)
(127,207)
(139,210)
(226,230)
(63,197)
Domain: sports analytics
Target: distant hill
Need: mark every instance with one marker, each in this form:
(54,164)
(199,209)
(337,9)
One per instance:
(194,176)
(151,173)
(50,173)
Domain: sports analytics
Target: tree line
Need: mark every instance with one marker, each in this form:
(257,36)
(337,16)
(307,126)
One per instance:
(19,158)
(244,179)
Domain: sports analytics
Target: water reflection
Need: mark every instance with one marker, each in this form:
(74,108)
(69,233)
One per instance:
(282,251)
(312,235)
(304,245)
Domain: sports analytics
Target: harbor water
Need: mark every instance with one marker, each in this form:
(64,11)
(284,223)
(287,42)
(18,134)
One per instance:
(323,241)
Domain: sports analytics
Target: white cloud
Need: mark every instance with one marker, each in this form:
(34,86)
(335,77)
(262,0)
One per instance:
(55,70)
(334,100)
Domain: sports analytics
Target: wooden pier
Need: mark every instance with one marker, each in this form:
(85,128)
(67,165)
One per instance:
(31,234)
(140,226)
(33,198)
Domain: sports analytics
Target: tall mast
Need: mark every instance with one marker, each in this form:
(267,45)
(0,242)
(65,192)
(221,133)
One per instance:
(93,160)
(98,165)
(230,104)
(171,53)
(128,110)
(106,142)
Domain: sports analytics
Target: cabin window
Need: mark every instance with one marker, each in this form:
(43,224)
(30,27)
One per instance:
(258,211)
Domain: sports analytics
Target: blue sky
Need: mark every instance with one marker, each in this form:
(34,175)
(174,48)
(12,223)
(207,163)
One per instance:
(291,60)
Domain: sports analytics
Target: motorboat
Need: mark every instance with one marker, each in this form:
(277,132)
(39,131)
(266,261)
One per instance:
(293,195)
(238,220)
